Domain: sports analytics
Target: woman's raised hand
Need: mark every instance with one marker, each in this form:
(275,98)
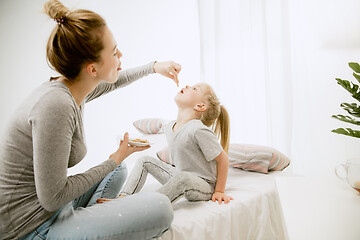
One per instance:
(168,69)
(125,150)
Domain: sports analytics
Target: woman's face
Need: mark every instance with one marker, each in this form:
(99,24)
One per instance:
(190,96)
(109,65)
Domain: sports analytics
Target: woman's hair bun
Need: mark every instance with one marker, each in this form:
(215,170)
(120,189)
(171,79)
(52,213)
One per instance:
(56,9)
(75,41)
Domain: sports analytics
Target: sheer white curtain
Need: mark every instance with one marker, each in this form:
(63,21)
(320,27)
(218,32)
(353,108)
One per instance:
(274,64)
(245,57)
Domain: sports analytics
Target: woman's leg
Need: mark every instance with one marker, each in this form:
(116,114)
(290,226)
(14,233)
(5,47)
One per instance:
(157,168)
(110,186)
(139,216)
(188,184)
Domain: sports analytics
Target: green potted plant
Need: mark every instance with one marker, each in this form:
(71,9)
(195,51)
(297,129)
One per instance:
(352,108)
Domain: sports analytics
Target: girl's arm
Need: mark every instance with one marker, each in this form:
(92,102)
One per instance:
(222,172)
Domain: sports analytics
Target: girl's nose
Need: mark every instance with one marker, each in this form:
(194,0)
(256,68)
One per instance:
(119,53)
(186,86)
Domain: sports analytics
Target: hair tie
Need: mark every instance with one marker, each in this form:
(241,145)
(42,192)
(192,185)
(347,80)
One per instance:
(59,20)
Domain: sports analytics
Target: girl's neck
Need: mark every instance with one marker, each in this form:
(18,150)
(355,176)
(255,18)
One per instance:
(184,116)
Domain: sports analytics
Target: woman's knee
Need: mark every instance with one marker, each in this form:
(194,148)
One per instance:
(121,169)
(118,176)
(162,211)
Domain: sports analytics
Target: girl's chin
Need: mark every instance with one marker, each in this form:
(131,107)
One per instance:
(182,104)
(177,101)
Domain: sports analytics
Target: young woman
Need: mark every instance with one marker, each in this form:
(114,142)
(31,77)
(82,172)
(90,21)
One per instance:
(45,137)
(201,162)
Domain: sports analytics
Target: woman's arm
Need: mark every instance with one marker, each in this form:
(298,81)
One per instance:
(222,172)
(168,69)
(53,125)
(125,78)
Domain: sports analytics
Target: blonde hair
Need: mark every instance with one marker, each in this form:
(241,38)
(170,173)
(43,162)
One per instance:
(76,39)
(216,117)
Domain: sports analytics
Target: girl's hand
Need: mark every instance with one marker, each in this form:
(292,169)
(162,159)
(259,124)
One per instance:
(168,69)
(125,150)
(220,196)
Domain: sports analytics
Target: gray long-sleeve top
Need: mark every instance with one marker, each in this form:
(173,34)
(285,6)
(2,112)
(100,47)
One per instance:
(44,138)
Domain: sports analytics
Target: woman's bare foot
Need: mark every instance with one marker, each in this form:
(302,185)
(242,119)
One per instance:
(102,200)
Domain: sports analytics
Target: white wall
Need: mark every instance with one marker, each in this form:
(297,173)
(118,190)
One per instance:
(145,31)
(324,36)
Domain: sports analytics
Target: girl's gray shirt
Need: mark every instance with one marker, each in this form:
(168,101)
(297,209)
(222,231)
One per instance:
(45,136)
(193,148)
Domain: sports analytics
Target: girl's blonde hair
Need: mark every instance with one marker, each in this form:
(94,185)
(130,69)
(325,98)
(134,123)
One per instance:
(216,117)
(76,39)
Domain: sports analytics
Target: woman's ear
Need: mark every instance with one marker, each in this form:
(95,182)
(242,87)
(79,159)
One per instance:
(200,107)
(91,70)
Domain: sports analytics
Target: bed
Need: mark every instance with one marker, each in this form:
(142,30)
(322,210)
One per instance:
(255,212)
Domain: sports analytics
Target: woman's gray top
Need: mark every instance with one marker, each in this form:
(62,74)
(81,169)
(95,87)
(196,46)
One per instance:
(44,137)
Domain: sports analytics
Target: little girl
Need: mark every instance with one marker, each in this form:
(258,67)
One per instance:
(201,163)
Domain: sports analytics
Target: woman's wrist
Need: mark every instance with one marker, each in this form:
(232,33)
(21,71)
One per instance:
(154,67)
(117,158)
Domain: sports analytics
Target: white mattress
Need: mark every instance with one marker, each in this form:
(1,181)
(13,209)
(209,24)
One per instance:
(255,212)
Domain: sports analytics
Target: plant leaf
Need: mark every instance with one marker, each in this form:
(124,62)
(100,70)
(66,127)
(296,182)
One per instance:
(346,119)
(352,88)
(352,108)
(357,77)
(354,66)
(347,132)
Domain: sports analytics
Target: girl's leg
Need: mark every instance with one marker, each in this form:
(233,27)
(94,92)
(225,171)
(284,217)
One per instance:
(157,168)
(188,184)
(139,216)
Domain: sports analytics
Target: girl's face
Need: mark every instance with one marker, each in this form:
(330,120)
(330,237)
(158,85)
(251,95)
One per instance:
(109,66)
(190,96)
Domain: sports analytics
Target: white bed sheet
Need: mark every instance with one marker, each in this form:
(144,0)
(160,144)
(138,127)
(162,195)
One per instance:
(255,212)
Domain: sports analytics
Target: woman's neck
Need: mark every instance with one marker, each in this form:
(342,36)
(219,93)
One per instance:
(80,88)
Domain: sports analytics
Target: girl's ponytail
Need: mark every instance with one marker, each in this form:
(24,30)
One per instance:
(222,128)
(217,117)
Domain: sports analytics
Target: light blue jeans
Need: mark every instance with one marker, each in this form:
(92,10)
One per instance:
(140,216)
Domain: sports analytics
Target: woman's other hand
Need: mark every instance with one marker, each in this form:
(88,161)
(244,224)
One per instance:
(125,150)
(168,69)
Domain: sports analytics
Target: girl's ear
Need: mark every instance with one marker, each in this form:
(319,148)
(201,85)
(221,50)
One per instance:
(200,107)
(91,70)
